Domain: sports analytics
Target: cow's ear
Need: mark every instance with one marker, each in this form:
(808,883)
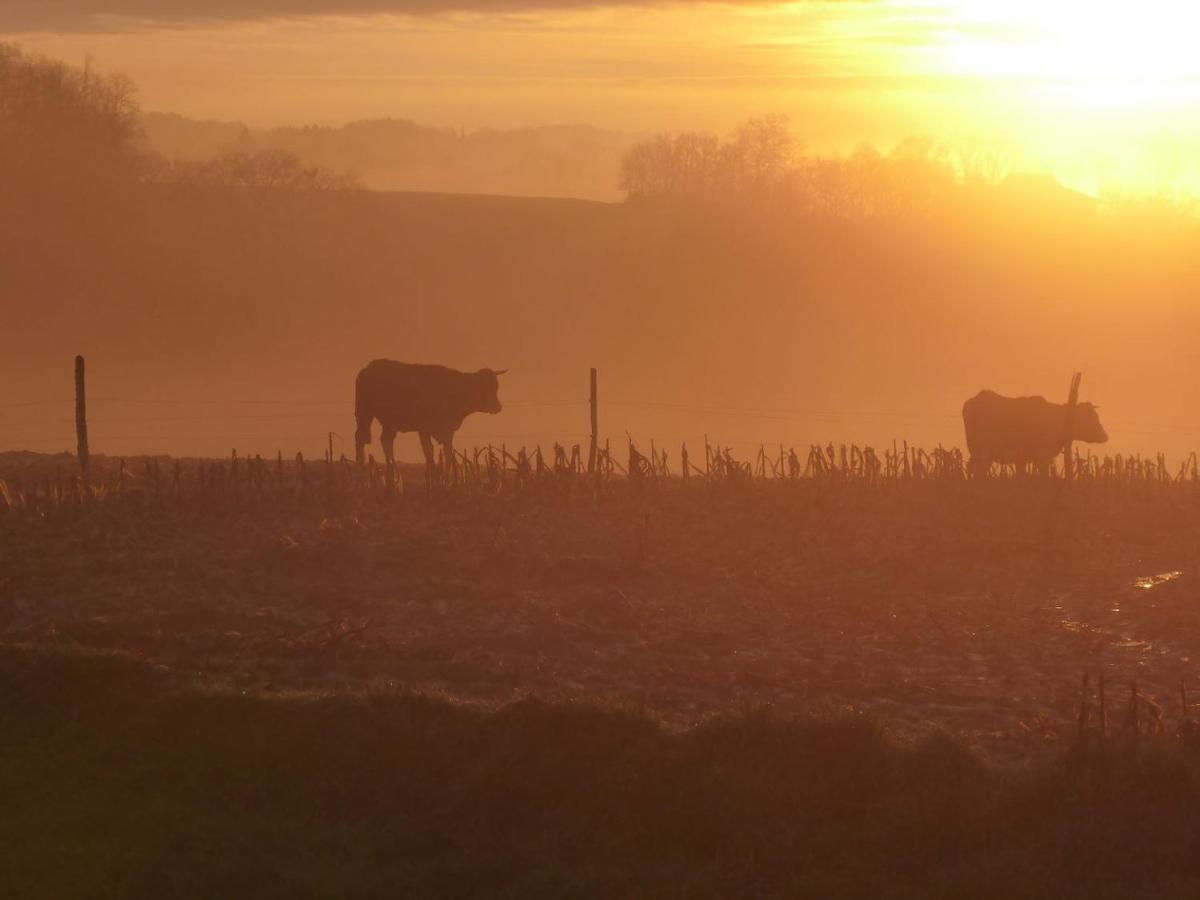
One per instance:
(500,372)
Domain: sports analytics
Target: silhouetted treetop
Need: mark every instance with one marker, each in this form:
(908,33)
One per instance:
(265,169)
(761,169)
(61,123)
(761,165)
(73,130)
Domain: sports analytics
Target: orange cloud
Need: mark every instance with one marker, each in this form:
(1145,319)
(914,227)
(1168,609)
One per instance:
(88,15)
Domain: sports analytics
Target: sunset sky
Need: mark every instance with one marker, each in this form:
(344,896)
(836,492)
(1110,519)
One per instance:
(1102,94)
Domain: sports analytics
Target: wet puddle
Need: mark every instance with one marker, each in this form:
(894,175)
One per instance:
(1117,638)
(1128,643)
(1114,639)
(1149,582)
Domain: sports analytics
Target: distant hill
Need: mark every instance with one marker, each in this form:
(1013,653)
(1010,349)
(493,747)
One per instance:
(395,154)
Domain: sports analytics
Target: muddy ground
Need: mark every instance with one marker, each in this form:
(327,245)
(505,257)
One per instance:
(974,609)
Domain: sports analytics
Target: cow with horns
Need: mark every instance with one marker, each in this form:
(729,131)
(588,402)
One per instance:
(1025,431)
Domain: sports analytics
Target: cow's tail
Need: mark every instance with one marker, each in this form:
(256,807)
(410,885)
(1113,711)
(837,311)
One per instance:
(362,417)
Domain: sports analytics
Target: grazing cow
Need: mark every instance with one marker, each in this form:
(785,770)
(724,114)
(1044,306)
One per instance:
(430,400)
(1024,431)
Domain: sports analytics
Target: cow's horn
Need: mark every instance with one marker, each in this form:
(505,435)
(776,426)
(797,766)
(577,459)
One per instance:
(501,372)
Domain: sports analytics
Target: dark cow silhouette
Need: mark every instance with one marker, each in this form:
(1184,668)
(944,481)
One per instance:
(1024,431)
(430,400)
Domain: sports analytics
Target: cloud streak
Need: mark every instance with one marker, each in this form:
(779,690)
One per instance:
(43,15)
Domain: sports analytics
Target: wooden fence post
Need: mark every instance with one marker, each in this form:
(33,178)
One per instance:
(329,472)
(1072,402)
(595,445)
(81,434)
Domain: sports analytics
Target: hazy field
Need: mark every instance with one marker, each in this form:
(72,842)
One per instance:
(696,690)
(970,608)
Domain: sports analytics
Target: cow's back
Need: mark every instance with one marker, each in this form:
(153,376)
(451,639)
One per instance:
(410,396)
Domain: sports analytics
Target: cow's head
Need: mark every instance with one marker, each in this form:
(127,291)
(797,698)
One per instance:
(487,390)
(1086,425)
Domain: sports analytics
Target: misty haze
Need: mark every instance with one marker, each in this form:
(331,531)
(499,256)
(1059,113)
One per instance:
(554,449)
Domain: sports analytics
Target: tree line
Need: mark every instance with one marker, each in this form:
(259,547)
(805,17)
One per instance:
(763,165)
(77,133)
(763,168)
(72,130)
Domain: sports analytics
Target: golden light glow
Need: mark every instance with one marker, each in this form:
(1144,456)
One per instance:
(1105,95)
(1146,42)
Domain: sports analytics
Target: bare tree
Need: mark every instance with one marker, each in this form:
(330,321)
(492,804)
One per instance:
(757,161)
(984,162)
(759,157)
(267,169)
(65,124)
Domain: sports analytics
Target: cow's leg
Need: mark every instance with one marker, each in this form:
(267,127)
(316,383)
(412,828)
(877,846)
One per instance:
(447,441)
(430,460)
(388,439)
(978,465)
(427,448)
(362,437)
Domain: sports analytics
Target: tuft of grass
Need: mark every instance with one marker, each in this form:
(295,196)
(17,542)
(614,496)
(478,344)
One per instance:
(119,784)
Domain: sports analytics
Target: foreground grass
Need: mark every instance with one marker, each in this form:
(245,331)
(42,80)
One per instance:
(116,783)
